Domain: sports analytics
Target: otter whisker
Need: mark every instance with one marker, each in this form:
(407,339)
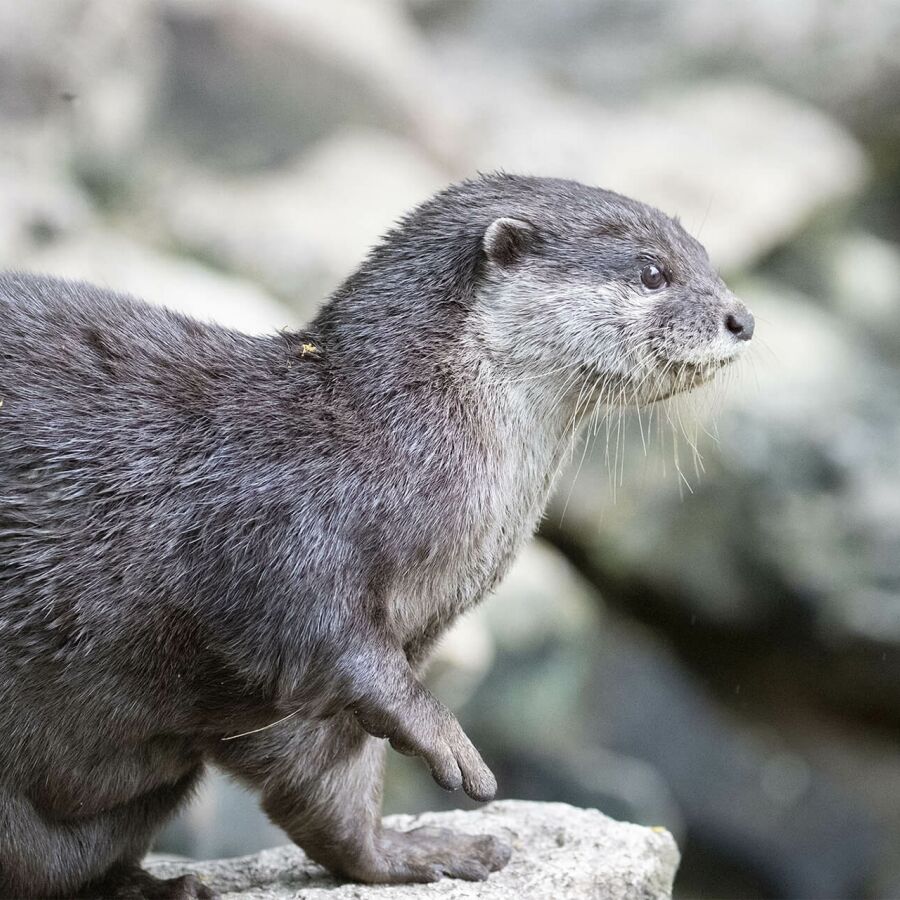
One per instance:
(563,439)
(234,737)
(558,402)
(678,409)
(584,449)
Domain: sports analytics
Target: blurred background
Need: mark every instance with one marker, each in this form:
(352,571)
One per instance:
(707,640)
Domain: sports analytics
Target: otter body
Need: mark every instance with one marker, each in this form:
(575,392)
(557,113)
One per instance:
(233,549)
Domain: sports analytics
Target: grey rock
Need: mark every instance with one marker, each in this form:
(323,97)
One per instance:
(251,82)
(121,263)
(746,796)
(300,229)
(559,851)
(626,50)
(225,819)
(543,612)
(540,601)
(855,272)
(743,196)
(88,72)
(39,205)
(584,706)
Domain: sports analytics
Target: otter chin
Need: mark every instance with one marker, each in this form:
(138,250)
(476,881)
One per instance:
(679,376)
(241,550)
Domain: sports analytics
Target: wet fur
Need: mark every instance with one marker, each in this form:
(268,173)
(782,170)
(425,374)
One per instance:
(203,532)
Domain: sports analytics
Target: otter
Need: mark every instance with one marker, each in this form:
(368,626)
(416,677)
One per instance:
(218,548)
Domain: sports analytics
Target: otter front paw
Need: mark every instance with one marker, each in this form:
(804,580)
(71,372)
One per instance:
(428,854)
(441,742)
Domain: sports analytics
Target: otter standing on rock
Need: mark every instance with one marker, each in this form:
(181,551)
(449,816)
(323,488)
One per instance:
(240,550)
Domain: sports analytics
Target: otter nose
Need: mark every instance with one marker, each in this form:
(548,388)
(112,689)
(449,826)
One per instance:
(740,324)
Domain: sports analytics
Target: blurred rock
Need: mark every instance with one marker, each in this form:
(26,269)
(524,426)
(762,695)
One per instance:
(750,803)
(625,50)
(854,272)
(558,851)
(88,72)
(252,82)
(866,283)
(39,205)
(224,819)
(460,661)
(583,706)
(111,260)
(545,617)
(867,762)
(693,151)
(303,229)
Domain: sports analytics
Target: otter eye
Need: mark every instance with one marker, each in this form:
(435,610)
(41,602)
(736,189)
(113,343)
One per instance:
(653,277)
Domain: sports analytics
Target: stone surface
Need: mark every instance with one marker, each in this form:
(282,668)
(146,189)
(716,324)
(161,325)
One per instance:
(114,261)
(302,228)
(742,196)
(627,50)
(249,82)
(87,71)
(38,206)
(559,852)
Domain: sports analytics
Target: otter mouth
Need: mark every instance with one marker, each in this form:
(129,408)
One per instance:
(682,376)
(666,378)
(703,370)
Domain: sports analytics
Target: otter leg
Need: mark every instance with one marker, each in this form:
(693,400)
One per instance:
(321,782)
(389,701)
(45,856)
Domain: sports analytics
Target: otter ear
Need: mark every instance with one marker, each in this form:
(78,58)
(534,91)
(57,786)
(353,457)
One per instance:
(507,240)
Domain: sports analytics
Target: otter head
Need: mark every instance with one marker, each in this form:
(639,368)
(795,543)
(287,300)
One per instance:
(581,277)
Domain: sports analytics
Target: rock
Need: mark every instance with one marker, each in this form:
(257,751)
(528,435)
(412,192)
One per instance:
(39,205)
(546,617)
(617,50)
(114,261)
(300,230)
(581,705)
(224,819)
(88,73)
(866,283)
(461,660)
(252,83)
(744,197)
(559,851)
(855,272)
(750,802)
